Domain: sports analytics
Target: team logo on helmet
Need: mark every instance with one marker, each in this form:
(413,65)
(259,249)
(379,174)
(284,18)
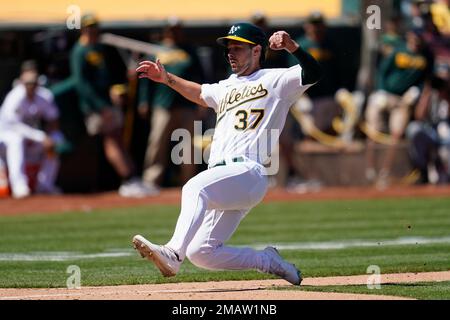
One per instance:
(234,29)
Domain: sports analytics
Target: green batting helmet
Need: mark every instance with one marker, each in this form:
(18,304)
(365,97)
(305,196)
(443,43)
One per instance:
(247,33)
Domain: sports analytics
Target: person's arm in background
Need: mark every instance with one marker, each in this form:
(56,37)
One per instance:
(311,70)
(386,66)
(55,138)
(12,122)
(51,137)
(156,72)
(424,102)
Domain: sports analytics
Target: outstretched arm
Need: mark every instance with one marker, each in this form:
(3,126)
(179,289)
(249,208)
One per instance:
(155,71)
(311,71)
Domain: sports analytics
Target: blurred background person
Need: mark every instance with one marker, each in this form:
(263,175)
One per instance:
(169,110)
(318,43)
(288,176)
(93,76)
(400,78)
(432,20)
(319,104)
(392,36)
(416,11)
(274,59)
(429,133)
(26,139)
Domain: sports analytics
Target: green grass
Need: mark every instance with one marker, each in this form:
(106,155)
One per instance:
(308,221)
(420,290)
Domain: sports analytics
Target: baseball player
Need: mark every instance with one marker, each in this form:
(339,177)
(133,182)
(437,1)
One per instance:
(92,78)
(249,103)
(25,106)
(401,77)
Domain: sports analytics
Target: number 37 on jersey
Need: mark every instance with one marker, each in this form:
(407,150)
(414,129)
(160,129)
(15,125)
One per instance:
(248,119)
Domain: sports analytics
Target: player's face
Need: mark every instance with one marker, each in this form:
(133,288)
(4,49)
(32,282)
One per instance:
(242,58)
(92,32)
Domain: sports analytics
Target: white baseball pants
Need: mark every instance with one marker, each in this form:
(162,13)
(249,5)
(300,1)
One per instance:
(213,204)
(20,151)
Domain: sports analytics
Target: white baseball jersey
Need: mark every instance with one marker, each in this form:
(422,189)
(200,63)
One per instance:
(22,115)
(251,111)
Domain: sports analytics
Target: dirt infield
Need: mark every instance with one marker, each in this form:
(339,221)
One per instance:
(86,203)
(225,290)
(228,290)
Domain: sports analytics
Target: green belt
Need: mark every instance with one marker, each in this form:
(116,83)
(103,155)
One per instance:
(224,163)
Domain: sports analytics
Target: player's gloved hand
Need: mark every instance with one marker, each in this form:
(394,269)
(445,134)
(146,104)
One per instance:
(58,143)
(281,40)
(153,70)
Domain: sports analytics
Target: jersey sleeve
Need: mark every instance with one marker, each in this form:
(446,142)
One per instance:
(28,132)
(290,84)
(210,94)
(8,111)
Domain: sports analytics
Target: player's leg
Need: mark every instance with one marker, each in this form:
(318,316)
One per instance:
(157,146)
(376,105)
(109,123)
(207,249)
(398,121)
(15,159)
(231,187)
(216,229)
(4,182)
(184,118)
(48,172)
(116,154)
(423,141)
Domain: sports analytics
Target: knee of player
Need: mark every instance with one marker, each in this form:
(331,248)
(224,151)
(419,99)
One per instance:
(200,256)
(377,101)
(192,189)
(373,115)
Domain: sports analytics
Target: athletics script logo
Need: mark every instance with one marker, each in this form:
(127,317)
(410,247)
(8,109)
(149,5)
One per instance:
(238,96)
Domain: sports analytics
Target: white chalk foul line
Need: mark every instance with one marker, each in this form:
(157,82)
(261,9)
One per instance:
(61,256)
(327,245)
(336,245)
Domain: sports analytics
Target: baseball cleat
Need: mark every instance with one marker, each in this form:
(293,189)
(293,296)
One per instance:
(165,259)
(281,268)
(135,188)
